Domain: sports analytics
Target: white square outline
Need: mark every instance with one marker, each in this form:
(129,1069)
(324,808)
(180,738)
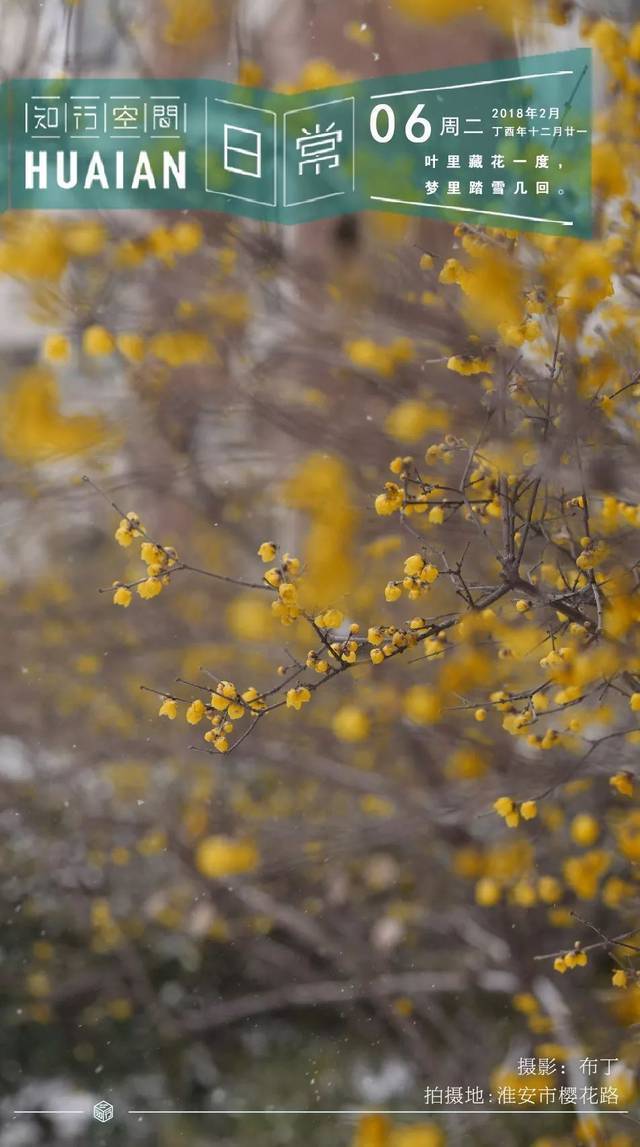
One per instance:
(231,194)
(312,107)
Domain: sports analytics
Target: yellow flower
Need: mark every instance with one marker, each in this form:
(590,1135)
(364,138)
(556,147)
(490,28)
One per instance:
(252,698)
(585,829)
(123,534)
(221,744)
(559,965)
(296,698)
(219,856)
(549,889)
(56,348)
(182,348)
(422,705)
(528,810)
(97,342)
(150,553)
(122,596)
(150,588)
(409,420)
(504,806)
(622,782)
(168,709)
(288,593)
(634,702)
(332,619)
(414,564)
(619,978)
(187,236)
(367,355)
(575,959)
(351,724)
(131,346)
(480,715)
(389,501)
(195,712)
(467,364)
(267,551)
(392,591)
(487,892)
(32,425)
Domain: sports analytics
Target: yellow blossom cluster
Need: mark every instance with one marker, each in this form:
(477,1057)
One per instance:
(160,562)
(575,958)
(282,578)
(225,706)
(419,574)
(511,812)
(367,355)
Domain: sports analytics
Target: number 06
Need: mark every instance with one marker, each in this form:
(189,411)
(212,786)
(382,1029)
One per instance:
(417,128)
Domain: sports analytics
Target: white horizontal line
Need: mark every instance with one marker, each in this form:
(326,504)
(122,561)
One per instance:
(473,84)
(302,202)
(41,1111)
(472,210)
(386,1111)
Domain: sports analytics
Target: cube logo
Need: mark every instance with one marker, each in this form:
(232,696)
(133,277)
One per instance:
(103,1111)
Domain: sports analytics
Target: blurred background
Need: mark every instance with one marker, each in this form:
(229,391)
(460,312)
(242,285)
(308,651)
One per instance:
(332,949)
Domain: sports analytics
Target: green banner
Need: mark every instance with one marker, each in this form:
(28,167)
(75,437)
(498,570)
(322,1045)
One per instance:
(505,144)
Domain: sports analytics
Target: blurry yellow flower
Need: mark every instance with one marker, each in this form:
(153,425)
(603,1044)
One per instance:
(56,348)
(351,724)
(168,709)
(409,420)
(467,364)
(131,346)
(487,892)
(622,783)
(32,426)
(585,829)
(187,236)
(182,348)
(97,342)
(421,705)
(219,856)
